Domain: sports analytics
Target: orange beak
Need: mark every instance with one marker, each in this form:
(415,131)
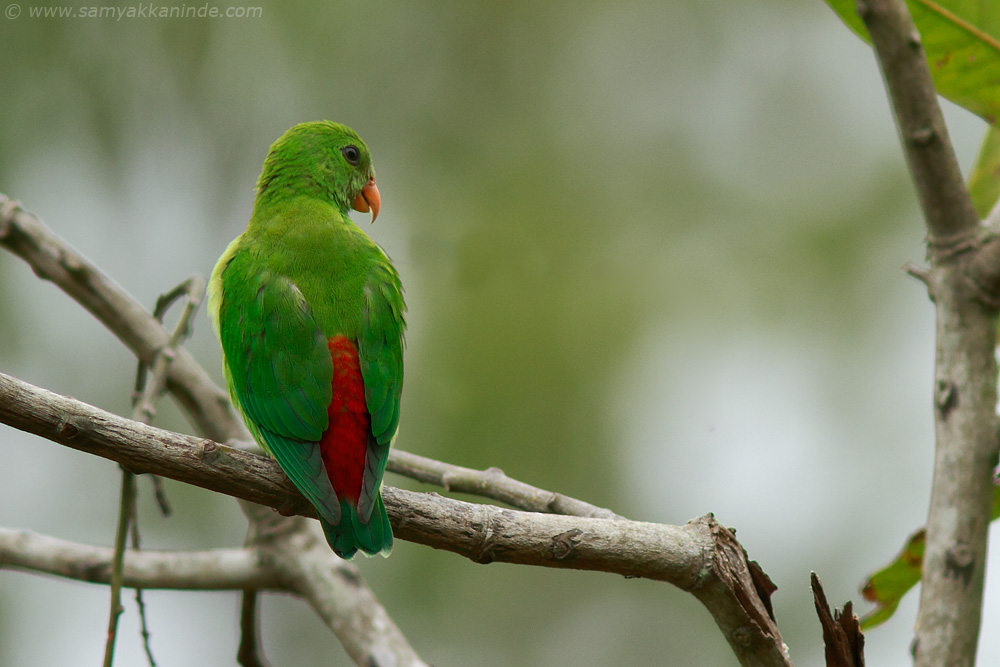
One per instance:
(368,199)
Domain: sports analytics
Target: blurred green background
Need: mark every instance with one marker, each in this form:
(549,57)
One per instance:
(652,257)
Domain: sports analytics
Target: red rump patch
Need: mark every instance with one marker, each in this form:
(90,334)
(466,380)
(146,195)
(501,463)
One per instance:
(345,441)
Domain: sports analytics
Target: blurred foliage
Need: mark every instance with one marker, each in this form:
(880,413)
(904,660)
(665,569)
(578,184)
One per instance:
(572,194)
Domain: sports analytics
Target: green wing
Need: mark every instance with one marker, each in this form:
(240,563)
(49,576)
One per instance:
(380,349)
(280,373)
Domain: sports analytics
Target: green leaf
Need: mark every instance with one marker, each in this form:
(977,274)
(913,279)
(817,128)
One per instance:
(960,38)
(888,586)
(984,181)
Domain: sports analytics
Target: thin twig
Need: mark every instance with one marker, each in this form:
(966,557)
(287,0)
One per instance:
(491,483)
(918,272)
(140,603)
(117,564)
(148,387)
(193,289)
(160,496)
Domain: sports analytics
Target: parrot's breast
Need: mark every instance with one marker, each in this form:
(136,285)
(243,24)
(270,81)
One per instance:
(345,441)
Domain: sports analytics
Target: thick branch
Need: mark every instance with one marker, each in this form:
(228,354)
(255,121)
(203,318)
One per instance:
(963,282)
(482,533)
(701,557)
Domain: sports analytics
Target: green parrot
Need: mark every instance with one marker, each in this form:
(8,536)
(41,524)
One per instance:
(309,312)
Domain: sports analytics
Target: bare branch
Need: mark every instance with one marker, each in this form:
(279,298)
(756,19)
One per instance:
(944,199)
(293,558)
(845,644)
(193,289)
(300,557)
(964,282)
(491,483)
(701,557)
(213,570)
(479,532)
(340,598)
(250,653)
(51,258)
(918,272)
(125,508)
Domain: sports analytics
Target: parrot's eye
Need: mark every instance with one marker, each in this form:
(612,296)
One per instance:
(351,154)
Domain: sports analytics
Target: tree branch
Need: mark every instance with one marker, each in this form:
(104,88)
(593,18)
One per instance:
(292,557)
(963,282)
(943,197)
(845,645)
(213,570)
(51,258)
(299,555)
(701,557)
(491,483)
(482,533)
(250,653)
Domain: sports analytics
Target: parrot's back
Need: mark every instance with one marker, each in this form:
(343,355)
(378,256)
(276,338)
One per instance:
(310,315)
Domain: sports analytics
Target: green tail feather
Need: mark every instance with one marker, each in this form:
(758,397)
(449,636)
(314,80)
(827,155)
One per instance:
(351,535)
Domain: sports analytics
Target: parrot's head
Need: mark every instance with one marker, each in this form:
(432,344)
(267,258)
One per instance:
(324,159)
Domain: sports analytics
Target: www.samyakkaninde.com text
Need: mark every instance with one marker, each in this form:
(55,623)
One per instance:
(139,11)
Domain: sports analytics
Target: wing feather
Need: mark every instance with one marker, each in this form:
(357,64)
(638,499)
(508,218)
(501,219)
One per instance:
(280,374)
(380,350)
